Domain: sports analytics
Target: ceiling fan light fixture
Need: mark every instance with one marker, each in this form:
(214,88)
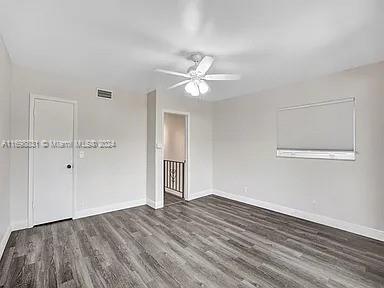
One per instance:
(203,87)
(192,89)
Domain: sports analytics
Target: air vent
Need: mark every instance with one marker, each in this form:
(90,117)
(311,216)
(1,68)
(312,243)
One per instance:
(102,93)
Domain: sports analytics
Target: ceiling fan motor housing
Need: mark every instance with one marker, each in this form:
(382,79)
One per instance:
(195,57)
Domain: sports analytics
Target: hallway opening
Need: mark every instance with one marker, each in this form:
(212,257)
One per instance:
(175,157)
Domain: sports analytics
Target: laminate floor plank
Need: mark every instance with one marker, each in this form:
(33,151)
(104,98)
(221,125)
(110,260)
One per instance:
(208,242)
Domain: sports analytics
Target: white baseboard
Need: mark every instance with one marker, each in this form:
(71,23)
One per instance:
(159,204)
(153,204)
(109,208)
(200,194)
(179,194)
(19,225)
(4,240)
(320,219)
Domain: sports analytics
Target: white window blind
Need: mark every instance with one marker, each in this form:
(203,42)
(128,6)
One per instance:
(320,130)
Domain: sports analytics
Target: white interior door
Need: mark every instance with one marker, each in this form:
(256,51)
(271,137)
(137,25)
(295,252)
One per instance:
(52,167)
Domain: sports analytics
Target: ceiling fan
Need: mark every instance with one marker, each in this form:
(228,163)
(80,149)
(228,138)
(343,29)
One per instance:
(197,77)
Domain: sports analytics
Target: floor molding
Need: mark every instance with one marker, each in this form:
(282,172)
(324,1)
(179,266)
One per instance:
(109,208)
(176,193)
(159,204)
(200,194)
(153,204)
(4,240)
(19,225)
(320,219)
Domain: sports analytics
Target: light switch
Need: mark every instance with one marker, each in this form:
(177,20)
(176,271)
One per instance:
(82,154)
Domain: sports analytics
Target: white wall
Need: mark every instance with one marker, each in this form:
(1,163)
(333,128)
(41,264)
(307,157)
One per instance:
(174,137)
(245,148)
(200,182)
(107,179)
(5,101)
(151,146)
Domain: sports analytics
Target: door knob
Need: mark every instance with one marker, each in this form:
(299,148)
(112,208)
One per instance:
(69,166)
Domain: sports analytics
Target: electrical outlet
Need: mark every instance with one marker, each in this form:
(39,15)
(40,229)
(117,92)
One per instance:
(245,189)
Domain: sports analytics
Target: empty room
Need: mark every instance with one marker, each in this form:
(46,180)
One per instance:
(192,143)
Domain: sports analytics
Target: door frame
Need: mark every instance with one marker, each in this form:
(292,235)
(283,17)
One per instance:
(187,116)
(32,98)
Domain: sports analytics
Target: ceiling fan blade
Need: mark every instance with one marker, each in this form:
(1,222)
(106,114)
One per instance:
(173,73)
(204,65)
(179,84)
(222,77)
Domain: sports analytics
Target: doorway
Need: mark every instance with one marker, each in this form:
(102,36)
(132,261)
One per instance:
(51,161)
(175,158)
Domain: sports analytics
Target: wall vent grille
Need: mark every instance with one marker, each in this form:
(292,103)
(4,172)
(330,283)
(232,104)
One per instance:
(102,93)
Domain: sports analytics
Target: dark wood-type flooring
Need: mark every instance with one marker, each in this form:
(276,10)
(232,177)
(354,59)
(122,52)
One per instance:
(170,199)
(208,242)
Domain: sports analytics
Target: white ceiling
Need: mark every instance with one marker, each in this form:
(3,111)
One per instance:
(120,42)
